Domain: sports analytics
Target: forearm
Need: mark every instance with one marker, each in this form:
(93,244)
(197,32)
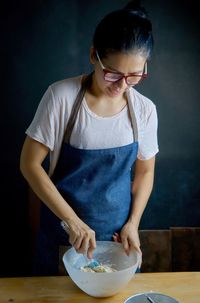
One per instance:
(47,191)
(141,189)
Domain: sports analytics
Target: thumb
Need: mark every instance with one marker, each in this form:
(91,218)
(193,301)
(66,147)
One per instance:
(137,248)
(125,245)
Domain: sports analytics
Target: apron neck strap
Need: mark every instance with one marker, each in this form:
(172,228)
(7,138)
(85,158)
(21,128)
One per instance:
(85,83)
(133,118)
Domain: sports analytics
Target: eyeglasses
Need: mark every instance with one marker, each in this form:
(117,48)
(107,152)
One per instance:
(112,76)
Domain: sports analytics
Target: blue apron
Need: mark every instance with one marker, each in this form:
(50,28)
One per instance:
(96,184)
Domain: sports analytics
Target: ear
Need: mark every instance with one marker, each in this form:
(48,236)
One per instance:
(92,55)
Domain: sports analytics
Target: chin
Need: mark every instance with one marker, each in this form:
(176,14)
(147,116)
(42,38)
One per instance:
(115,93)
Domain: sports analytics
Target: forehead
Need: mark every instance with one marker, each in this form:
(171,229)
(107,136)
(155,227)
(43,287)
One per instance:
(125,62)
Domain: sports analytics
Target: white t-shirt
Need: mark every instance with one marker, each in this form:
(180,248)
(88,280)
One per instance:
(91,131)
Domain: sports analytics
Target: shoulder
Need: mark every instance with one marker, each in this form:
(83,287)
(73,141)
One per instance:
(66,88)
(141,102)
(143,106)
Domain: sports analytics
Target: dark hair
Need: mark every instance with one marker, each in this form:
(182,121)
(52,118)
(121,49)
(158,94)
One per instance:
(124,30)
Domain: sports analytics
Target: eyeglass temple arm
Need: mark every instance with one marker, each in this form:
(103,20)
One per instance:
(103,67)
(145,68)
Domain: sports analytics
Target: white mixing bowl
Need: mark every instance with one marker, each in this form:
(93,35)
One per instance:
(102,284)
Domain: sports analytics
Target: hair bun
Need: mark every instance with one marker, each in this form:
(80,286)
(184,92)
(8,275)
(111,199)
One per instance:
(136,8)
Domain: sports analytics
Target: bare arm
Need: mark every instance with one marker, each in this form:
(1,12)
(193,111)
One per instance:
(32,157)
(141,189)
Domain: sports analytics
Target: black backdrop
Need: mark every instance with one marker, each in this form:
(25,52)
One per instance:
(45,41)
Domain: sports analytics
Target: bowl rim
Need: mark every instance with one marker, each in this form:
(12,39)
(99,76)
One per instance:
(101,273)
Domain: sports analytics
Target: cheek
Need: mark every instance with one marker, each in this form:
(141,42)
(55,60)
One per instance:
(100,80)
(103,85)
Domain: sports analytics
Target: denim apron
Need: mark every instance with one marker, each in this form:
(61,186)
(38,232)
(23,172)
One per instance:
(95,183)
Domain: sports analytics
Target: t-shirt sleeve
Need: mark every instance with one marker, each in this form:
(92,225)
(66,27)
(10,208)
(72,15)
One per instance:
(148,146)
(42,128)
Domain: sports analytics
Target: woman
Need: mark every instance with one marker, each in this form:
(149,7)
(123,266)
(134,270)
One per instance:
(97,128)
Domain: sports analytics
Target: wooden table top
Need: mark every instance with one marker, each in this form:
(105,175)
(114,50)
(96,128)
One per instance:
(184,286)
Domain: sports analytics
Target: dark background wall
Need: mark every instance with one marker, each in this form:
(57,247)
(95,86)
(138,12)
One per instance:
(45,41)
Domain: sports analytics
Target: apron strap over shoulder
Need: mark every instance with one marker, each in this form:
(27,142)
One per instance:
(86,81)
(133,118)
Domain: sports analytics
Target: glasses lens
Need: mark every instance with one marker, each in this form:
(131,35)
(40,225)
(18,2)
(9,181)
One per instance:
(134,79)
(112,77)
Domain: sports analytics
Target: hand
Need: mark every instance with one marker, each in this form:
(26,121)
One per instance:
(129,238)
(81,237)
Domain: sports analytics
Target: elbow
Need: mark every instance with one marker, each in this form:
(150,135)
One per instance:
(24,162)
(22,166)
(145,179)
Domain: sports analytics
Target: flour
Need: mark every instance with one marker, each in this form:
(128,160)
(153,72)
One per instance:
(99,268)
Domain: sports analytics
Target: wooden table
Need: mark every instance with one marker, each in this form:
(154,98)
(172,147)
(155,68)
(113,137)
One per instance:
(184,286)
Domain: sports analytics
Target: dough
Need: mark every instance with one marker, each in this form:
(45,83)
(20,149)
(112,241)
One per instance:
(99,268)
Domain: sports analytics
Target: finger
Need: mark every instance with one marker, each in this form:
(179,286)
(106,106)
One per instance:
(72,238)
(126,245)
(136,247)
(78,243)
(91,248)
(116,239)
(83,247)
(140,261)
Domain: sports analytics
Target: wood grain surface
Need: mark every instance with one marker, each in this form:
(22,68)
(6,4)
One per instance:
(184,286)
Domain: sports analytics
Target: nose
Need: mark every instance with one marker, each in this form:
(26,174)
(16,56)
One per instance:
(121,84)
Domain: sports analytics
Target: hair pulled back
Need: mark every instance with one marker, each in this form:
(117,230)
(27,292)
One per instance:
(125,30)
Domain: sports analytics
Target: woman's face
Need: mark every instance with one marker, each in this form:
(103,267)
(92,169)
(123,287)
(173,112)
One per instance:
(126,64)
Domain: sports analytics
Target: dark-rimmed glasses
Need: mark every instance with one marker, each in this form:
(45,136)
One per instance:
(112,76)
